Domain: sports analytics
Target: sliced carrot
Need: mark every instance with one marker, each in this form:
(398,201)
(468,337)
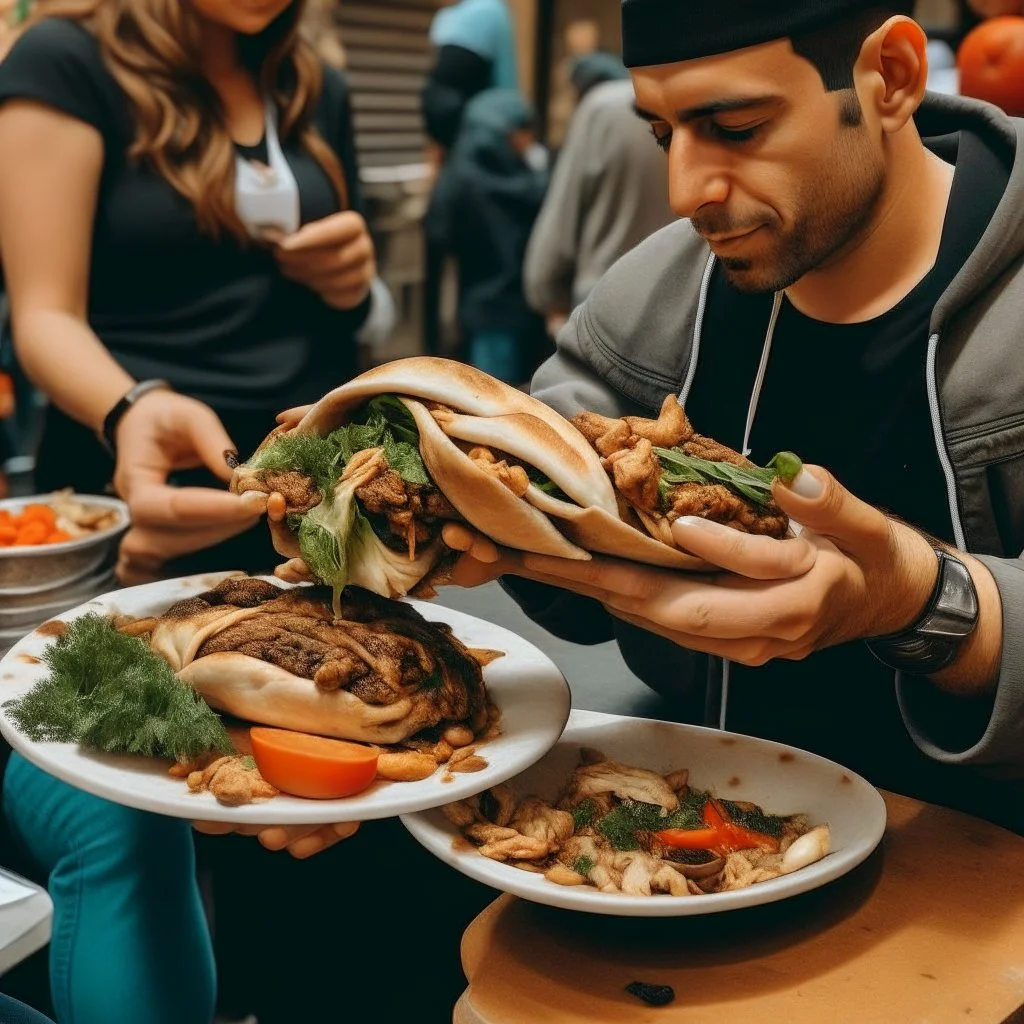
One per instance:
(8,535)
(32,533)
(58,537)
(313,766)
(42,513)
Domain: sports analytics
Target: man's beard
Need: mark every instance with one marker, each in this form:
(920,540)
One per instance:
(832,217)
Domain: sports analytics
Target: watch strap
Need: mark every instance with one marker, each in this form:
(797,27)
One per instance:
(108,433)
(935,640)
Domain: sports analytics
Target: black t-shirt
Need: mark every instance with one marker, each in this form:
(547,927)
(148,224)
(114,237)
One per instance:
(215,318)
(852,398)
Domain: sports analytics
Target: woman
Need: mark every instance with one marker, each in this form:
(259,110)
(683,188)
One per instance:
(484,209)
(184,257)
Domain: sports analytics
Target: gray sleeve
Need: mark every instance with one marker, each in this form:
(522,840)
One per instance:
(569,382)
(549,269)
(986,733)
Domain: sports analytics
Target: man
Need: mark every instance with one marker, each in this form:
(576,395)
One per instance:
(607,193)
(847,285)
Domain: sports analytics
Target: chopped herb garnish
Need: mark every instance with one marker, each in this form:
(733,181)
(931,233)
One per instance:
(248,763)
(757,821)
(624,826)
(583,815)
(109,691)
(583,866)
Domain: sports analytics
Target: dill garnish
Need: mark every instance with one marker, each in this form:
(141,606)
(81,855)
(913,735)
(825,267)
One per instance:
(108,691)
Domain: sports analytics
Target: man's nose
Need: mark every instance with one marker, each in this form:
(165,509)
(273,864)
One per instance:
(696,179)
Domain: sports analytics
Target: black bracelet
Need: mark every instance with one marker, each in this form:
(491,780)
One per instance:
(108,433)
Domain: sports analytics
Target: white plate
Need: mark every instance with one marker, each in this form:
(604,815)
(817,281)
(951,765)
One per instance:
(527,687)
(781,779)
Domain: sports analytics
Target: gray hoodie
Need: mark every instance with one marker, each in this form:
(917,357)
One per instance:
(638,336)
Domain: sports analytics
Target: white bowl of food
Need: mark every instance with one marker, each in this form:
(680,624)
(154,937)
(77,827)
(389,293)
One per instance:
(529,837)
(82,531)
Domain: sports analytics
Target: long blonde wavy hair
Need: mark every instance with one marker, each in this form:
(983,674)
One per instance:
(152,49)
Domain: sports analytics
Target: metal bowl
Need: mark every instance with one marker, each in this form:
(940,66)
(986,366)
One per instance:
(31,570)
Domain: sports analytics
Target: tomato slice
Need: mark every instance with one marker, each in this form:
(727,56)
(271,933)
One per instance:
(719,835)
(313,766)
(692,838)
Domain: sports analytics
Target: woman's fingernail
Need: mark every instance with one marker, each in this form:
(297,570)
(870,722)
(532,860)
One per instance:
(807,485)
(231,458)
(346,829)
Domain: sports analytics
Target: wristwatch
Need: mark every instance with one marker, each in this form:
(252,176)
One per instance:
(108,433)
(936,639)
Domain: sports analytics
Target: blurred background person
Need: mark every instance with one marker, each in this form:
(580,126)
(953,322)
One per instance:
(580,37)
(484,208)
(607,193)
(474,50)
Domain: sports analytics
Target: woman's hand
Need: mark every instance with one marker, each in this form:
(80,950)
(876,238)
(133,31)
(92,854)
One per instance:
(301,841)
(333,257)
(164,432)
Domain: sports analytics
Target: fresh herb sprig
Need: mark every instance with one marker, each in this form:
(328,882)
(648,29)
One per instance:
(384,423)
(751,482)
(110,692)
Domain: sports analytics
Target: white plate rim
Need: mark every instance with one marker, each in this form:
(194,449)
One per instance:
(436,834)
(399,797)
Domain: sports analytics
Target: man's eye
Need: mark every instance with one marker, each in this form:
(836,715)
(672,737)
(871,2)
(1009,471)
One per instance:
(662,136)
(725,134)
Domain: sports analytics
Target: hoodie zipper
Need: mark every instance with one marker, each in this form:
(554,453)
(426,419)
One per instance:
(762,370)
(945,462)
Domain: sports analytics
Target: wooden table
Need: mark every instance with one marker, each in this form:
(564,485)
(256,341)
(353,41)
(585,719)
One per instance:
(928,930)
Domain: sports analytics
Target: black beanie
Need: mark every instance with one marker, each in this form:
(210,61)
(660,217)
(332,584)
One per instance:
(667,31)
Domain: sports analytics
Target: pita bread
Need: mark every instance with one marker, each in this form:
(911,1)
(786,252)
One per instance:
(258,691)
(478,410)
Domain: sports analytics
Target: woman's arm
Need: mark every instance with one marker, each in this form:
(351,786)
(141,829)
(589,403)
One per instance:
(50,166)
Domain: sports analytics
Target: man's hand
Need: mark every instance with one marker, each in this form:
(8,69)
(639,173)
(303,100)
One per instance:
(333,257)
(777,598)
(161,433)
(853,573)
(301,841)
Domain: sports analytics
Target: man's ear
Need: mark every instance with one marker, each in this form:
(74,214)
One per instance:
(892,72)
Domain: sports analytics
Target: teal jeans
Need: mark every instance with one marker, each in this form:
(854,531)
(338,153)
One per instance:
(130,942)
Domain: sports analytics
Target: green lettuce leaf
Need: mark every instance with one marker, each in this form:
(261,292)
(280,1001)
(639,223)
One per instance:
(750,482)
